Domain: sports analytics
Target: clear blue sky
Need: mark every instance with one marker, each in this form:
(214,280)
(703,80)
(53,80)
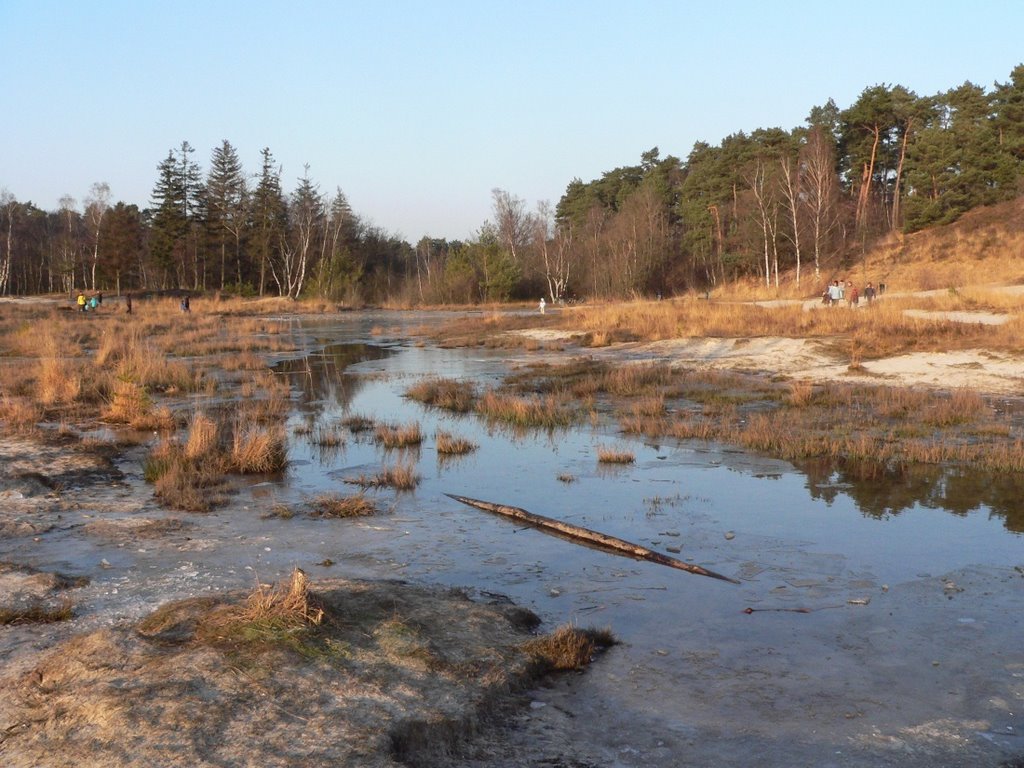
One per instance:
(417,110)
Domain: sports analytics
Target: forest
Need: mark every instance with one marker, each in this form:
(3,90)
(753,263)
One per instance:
(777,206)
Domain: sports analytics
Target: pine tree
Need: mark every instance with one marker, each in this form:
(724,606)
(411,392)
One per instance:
(226,200)
(268,218)
(178,205)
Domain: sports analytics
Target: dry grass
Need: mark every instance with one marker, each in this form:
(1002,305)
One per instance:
(266,398)
(881,330)
(568,648)
(243,361)
(886,425)
(36,614)
(336,505)
(401,477)
(19,414)
(272,615)
(636,379)
(452,445)
(192,485)
(801,393)
(356,423)
(652,406)
(449,394)
(393,436)
(549,412)
(608,455)
(257,449)
(57,381)
(131,404)
(327,437)
(290,603)
(202,437)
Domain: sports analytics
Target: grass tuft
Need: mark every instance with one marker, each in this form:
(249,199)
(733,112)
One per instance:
(36,614)
(452,445)
(336,505)
(568,648)
(549,412)
(256,449)
(607,455)
(393,436)
(401,477)
(448,394)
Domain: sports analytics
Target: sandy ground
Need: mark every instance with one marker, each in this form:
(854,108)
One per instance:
(809,359)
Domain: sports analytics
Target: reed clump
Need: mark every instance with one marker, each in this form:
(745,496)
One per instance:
(401,477)
(19,414)
(549,411)
(568,648)
(180,482)
(356,423)
(449,444)
(889,425)
(286,614)
(609,455)
(448,394)
(131,404)
(202,437)
(258,449)
(338,505)
(327,437)
(394,436)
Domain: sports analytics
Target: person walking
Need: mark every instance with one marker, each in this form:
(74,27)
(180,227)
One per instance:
(81,301)
(835,293)
(128,303)
(869,293)
(542,305)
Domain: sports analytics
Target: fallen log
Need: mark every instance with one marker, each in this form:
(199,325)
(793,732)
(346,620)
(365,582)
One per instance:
(587,536)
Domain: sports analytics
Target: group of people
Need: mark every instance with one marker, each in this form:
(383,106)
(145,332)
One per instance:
(837,292)
(92,303)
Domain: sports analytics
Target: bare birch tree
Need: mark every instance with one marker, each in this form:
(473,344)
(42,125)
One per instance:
(767,209)
(511,222)
(8,206)
(305,219)
(554,247)
(792,192)
(820,191)
(96,205)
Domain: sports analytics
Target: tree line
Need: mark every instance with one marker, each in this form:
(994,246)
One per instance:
(772,204)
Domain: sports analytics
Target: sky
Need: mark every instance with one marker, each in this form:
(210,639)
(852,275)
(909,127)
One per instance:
(418,109)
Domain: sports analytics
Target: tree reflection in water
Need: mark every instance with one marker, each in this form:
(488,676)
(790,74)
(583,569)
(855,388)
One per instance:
(322,376)
(881,490)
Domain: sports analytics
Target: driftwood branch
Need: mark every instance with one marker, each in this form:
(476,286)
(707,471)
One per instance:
(587,536)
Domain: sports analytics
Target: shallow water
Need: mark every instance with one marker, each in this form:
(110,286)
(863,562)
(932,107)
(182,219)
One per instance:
(875,561)
(908,584)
